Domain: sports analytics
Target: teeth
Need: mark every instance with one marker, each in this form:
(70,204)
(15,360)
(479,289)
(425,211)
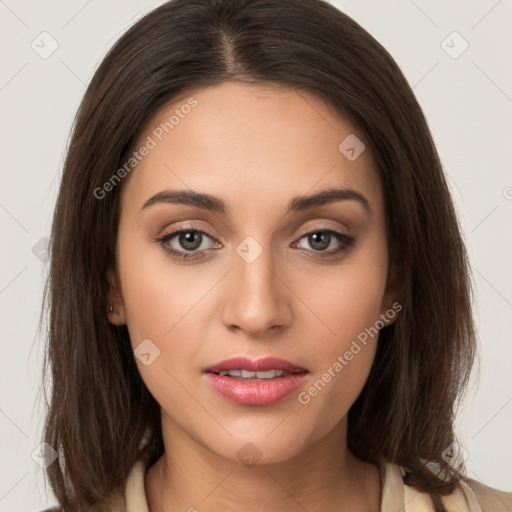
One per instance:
(244,374)
(270,374)
(233,373)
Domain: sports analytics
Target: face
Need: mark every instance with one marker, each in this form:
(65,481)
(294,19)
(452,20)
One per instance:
(253,272)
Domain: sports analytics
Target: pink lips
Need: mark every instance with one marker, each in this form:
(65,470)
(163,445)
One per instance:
(259,365)
(255,392)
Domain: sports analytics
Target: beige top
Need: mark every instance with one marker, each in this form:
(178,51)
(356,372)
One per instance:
(396,496)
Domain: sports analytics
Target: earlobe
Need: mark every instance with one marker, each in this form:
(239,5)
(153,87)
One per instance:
(115,307)
(392,300)
(390,314)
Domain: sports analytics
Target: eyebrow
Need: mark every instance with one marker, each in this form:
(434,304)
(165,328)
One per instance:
(299,203)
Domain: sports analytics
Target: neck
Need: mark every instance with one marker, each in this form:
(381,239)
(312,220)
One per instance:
(324,476)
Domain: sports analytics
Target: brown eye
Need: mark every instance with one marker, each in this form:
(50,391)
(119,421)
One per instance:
(320,239)
(190,240)
(185,243)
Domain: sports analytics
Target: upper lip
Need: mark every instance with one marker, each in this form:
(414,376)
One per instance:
(258,365)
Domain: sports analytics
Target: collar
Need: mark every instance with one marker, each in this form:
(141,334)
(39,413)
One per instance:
(396,496)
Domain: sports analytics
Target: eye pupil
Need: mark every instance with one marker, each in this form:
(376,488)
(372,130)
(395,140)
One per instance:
(319,238)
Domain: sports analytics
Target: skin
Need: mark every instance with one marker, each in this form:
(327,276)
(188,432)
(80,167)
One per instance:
(255,148)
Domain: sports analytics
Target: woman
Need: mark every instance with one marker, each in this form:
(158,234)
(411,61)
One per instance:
(259,296)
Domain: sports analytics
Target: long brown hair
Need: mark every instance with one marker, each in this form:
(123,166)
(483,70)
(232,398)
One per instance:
(101,417)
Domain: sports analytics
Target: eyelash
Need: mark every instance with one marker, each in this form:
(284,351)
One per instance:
(346,241)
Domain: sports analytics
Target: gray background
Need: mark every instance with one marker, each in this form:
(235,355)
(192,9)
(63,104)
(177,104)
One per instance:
(467,101)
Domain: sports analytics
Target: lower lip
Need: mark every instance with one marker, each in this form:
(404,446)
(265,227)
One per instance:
(255,392)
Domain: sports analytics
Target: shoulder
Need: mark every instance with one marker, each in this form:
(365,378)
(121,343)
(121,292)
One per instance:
(489,498)
(469,495)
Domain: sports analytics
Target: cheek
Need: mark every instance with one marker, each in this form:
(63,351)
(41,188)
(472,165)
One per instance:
(156,293)
(346,349)
(164,303)
(159,307)
(347,298)
(349,307)
(343,360)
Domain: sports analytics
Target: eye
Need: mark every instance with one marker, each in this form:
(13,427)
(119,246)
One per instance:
(320,239)
(187,243)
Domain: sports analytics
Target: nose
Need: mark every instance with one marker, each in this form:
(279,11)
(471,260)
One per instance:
(258,299)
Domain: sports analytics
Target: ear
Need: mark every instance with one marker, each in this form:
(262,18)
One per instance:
(392,299)
(115,306)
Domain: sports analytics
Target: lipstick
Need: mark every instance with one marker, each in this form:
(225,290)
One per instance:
(255,382)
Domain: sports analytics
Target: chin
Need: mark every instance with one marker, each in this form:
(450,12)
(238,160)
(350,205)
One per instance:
(269,444)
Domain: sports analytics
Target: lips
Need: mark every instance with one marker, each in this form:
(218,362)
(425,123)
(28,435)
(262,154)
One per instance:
(252,390)
(258,365)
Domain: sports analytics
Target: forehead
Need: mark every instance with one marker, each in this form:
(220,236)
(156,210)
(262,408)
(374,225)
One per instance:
(251,143)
